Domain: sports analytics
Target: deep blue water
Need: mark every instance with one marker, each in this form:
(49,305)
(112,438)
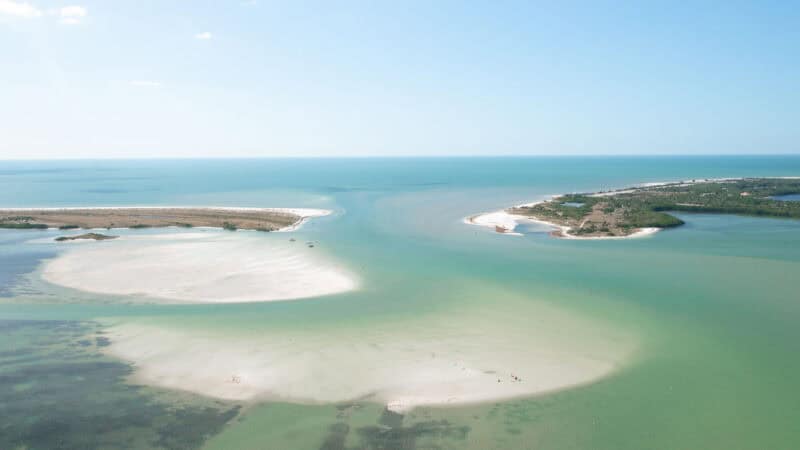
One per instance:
(54,183)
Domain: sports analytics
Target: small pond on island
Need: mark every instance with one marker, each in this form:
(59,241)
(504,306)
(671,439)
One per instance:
(788,198)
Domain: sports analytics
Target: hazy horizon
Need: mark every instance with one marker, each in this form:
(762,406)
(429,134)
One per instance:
(409,156)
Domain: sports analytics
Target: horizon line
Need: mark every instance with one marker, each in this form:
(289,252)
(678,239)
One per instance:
(410,156)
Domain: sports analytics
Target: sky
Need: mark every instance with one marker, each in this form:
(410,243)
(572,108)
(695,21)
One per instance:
(256,78)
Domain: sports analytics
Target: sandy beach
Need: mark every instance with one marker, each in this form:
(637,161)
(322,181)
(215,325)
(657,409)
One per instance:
(500,221)
(504,222)
(210,267)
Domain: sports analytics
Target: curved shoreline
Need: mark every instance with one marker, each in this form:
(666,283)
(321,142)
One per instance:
(506,223)
(401,366)
(216,267)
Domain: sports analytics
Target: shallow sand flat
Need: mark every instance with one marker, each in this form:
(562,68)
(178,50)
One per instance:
(469,358)
(215,267)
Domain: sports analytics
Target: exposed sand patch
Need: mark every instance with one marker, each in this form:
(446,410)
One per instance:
(483,356)
(200,267)
(504,222)
(500,221)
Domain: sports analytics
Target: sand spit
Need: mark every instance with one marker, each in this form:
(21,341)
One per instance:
(458,360)
(210,267)
(504,222)
(263,219)
(500,221)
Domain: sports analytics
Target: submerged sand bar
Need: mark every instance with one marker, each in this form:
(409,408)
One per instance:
(262,219)
(472,356)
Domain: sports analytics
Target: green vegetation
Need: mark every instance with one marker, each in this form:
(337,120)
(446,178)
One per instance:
(95,236)
(138,218)
(17,219)
(21,223)
(620,213)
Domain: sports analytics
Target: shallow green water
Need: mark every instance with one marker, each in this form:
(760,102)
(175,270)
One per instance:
(712,306)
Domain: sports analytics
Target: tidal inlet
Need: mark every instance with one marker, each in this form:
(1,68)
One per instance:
(402,316)
(277,225)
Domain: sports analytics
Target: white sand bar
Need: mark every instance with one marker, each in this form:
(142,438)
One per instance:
(474,357)
(210,267)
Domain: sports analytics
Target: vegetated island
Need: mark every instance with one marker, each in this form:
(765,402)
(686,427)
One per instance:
(260,219)
(626,212)
(91,236)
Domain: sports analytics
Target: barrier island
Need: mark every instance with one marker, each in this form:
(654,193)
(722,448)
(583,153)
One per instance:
(625,212)
(261,219)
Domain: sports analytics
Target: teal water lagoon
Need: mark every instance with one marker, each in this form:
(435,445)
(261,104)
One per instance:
(391,323)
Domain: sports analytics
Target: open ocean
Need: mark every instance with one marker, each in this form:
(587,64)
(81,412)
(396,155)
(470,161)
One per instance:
(712,308)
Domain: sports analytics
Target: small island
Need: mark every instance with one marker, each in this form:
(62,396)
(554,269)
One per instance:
(86,236)
(260,219)
(626,212)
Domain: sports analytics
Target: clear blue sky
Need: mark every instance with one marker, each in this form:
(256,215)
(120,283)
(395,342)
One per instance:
(145,78)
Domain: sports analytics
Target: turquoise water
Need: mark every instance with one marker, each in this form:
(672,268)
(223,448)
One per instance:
(711,305)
